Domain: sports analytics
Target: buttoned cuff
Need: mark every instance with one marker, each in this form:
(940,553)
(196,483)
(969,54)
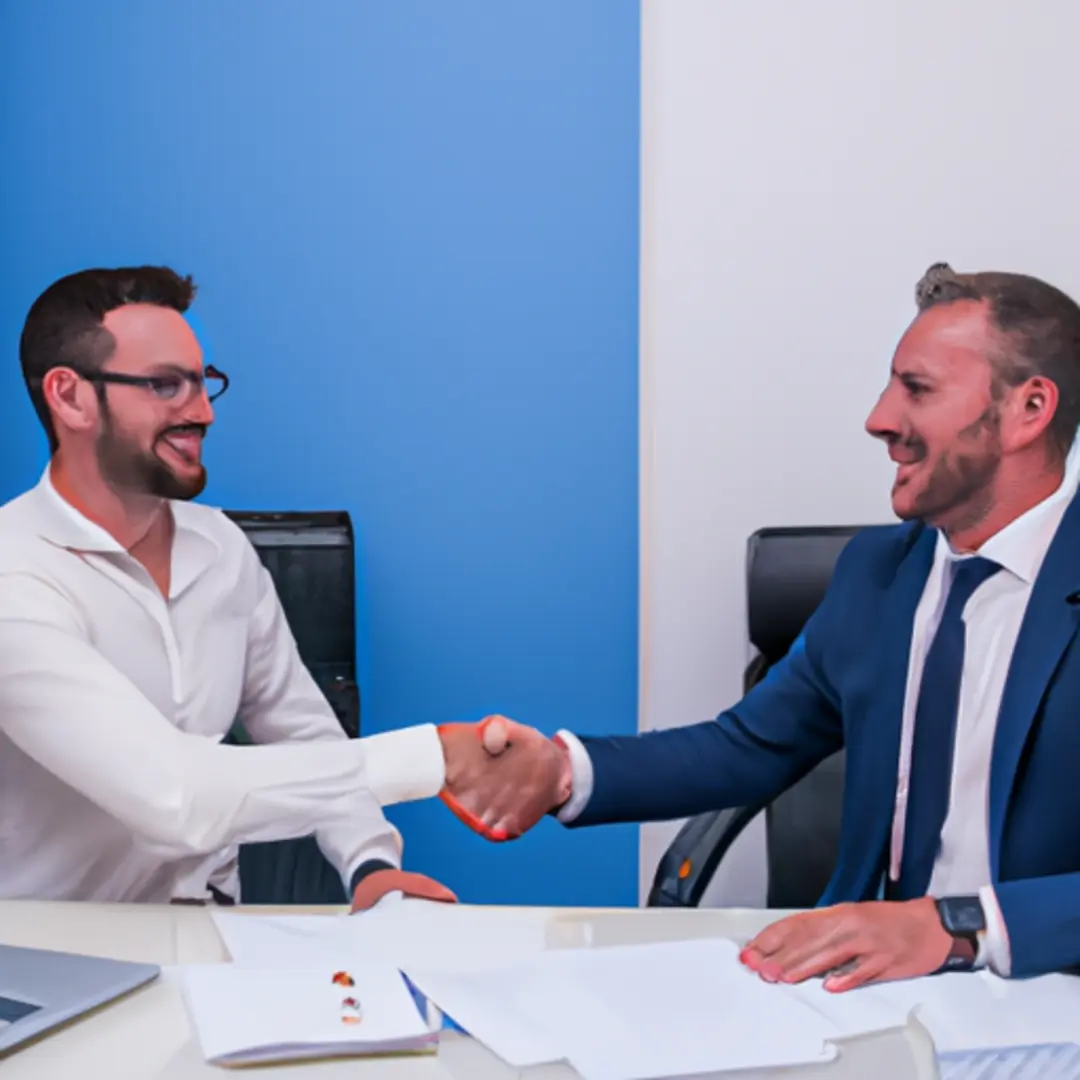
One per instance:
(405,765)
(581,772)
(994,951)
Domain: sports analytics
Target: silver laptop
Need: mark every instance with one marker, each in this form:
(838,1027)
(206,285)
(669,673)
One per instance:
(40,990)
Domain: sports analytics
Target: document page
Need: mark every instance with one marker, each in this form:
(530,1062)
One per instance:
(245,1015)
(635,1012)
(451,937)
(962,1010)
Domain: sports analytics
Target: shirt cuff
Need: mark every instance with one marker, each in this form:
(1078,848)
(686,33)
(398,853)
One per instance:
(370,864)
(581,772)
(994,951)
(405,765)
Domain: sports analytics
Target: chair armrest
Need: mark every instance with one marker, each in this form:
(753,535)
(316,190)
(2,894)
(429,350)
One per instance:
(692,857)
(755,671)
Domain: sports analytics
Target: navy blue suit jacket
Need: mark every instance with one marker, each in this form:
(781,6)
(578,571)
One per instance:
(843,685)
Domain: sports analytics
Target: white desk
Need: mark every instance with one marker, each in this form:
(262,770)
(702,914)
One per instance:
(147,1037)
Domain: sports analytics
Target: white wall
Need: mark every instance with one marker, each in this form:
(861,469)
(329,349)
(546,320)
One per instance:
(802,164)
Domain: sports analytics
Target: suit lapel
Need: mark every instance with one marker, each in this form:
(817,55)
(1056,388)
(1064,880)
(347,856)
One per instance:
(879,745)
(1049,624)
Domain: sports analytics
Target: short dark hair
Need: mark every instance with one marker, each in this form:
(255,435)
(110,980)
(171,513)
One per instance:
(64,325)
(1040,327)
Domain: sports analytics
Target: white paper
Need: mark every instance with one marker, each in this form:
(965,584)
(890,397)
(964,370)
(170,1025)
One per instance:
(961,1011)
(1023,1063)
(635,1012)
(496,1008)
(439,937)
(677,1009)
(244,1015)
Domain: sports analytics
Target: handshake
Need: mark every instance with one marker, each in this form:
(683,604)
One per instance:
(503,777)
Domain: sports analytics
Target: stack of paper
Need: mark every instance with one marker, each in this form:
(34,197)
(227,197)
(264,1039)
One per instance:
(679,1008)
(623,1012)
(633,1012)
(245,1015)
(614,1013)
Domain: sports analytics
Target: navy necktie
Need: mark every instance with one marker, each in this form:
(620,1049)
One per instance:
(930,776)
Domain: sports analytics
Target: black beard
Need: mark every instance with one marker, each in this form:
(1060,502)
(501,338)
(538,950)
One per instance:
(133,470)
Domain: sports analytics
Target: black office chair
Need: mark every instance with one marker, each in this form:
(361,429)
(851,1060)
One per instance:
(788,570)
(310,557)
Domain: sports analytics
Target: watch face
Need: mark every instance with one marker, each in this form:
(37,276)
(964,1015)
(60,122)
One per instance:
(962,915)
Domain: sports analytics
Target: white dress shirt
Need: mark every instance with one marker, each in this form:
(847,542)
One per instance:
(114,783)
(992,619)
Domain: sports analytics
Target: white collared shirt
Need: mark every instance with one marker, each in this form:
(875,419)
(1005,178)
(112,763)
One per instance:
(992,619)
(114,784)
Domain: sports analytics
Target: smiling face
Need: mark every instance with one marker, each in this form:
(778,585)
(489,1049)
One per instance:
(941,417)
(149,443)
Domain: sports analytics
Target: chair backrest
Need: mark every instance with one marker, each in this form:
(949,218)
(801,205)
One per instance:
(311,557)
(788,571)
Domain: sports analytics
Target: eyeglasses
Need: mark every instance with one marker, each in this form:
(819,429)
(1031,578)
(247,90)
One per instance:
(176,387)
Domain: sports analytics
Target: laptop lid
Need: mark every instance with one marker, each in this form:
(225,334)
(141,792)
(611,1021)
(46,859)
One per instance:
(41,989)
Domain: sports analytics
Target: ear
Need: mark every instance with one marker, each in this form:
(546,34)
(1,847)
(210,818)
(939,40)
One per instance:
(73,401)
(1030,409)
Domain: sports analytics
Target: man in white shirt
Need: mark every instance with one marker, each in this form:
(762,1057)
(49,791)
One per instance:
(945,659)
(136,626)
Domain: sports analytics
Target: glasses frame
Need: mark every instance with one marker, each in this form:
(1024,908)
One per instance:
(152,382)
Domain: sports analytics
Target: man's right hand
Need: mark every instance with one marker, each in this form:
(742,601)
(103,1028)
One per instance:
(503,777)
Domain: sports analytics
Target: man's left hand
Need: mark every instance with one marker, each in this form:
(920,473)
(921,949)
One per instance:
(376,885)
(867,942)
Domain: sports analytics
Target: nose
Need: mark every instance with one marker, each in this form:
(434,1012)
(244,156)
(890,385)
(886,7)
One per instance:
(199,410)
(884,419)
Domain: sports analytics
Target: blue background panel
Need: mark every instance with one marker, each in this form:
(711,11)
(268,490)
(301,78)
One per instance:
(415,230)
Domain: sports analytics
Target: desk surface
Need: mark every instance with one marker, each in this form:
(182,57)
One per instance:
(147,1036)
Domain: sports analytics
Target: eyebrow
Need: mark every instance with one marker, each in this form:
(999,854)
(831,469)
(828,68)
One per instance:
(158,370)
(902,375)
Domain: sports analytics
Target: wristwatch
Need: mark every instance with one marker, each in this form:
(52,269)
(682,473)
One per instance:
(964,919)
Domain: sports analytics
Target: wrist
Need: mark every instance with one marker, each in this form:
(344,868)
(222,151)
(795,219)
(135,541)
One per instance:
(963,920)
(366,869)
(374,885)
(565,788)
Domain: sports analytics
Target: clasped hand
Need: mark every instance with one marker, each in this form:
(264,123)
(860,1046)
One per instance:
(503,777)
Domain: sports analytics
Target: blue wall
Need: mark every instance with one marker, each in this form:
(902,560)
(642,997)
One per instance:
(415,227)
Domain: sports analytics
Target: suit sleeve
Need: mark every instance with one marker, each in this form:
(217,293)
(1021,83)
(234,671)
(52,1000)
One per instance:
(1042,921)
(746,756)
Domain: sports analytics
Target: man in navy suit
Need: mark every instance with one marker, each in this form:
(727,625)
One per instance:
(944,658)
